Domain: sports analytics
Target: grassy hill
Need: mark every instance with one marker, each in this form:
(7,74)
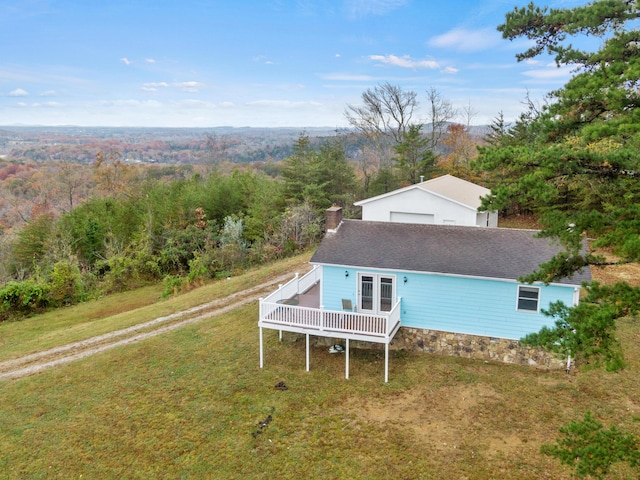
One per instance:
(193,403)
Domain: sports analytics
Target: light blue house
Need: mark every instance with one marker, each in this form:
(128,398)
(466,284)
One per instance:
(371,279)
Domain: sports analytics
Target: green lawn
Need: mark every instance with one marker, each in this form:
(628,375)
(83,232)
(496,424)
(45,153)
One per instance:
(187,404)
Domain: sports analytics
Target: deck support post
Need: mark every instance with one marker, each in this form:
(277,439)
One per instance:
(261,352)
(280,335)
(307,352)
(346,373)
(386,362)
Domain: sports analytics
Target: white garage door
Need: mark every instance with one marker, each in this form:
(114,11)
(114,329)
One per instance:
(404,217)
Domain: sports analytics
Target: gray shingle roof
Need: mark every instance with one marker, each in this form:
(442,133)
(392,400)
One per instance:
(470,251)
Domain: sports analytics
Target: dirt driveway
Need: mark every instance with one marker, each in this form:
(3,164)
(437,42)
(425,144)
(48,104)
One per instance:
(36,362)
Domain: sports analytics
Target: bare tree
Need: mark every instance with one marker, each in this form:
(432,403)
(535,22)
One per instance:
(384,116)
(440,113)
(468,114)
(73,183)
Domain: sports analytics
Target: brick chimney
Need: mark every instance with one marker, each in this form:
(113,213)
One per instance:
(333,217)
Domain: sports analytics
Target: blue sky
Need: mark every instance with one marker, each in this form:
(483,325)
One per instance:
(268,63)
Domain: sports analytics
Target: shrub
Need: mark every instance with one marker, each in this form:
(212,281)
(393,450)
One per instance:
(171,285)
(591,450)
(198,270)
(64,284)
(31,243)
(19,299)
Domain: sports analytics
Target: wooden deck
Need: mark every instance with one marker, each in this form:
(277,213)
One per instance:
(301,313)
(310,298)
(295,307)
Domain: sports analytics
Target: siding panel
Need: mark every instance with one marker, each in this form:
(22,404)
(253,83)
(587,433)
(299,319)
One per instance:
(454,304)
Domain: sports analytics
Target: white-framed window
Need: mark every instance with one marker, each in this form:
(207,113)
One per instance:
(528,298)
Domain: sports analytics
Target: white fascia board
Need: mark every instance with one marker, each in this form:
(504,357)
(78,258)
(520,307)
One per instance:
(411,187)
(440,274)
(359,203)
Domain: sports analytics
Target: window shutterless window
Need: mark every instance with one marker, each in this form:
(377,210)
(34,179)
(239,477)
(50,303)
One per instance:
(528,298)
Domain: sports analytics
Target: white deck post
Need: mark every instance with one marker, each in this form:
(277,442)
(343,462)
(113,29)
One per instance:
(307,352)
(386,363)
(261,352)
(346,373)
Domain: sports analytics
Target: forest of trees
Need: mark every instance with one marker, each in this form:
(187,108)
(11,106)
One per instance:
(169,146)
(70,231)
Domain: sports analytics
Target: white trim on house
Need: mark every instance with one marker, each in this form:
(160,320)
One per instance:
(440,274)
(451,191)
(527,299)
(419,187)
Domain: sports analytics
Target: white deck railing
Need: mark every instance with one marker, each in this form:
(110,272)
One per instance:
(276,315)
(277,312)
(295,286)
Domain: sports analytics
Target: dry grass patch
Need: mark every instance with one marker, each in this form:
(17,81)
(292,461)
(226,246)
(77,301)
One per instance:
(528,222)
(610,274)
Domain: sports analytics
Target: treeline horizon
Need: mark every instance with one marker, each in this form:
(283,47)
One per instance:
(71,231)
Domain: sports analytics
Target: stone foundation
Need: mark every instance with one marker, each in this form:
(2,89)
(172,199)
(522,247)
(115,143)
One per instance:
(474,346)
(462,345)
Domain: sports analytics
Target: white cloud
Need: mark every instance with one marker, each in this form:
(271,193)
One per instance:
(405,61)
(293,86)
(190,87)
(283,104)
(550,73)
(464,40)
(18,92)
(362,8)
(263,59)
(347,77)
(450,70)
(195,104)
(129,103)
(156,84)
(48,93)
(150,60)
(47,105)
(126,61)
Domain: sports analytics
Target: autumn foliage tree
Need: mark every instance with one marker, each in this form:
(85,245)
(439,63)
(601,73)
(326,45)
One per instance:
(461,151)
(112,176)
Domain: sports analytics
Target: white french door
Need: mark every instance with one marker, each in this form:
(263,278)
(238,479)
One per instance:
(375,292)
